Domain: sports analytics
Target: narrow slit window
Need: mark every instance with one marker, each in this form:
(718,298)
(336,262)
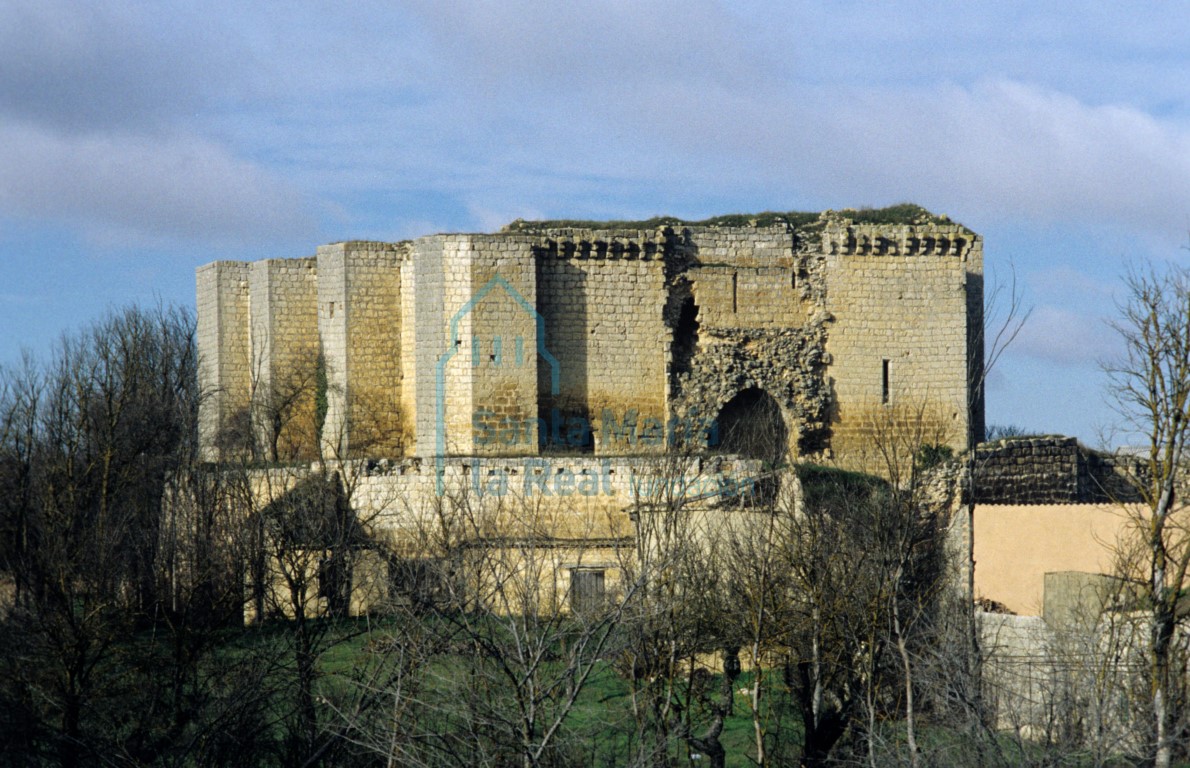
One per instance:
(793,279)
(735,282)
(884,381)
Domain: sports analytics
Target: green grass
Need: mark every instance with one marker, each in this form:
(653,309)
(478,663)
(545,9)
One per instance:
(600,730)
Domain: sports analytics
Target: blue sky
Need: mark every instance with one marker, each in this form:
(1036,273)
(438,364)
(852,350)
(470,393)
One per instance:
(140,140)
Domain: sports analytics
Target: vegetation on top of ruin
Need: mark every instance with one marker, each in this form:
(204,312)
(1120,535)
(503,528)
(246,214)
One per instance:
(823,484)
(901,213)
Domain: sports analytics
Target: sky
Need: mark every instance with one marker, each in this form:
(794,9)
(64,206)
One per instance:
(139,141)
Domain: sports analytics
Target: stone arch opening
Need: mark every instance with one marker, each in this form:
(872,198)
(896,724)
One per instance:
(751,425)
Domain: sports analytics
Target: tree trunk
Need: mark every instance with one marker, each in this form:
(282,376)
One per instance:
(1162,631)
(907,671)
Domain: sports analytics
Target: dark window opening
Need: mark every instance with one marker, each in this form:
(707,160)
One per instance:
(735,283)
(685,338)
(417,583)
(586,590)
(884,398)
(334,584)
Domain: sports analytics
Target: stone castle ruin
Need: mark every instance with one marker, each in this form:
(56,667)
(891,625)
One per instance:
(543,378)
(602,339)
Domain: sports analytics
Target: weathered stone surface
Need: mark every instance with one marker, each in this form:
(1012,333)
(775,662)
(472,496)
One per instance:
(1050,470)
(598,339)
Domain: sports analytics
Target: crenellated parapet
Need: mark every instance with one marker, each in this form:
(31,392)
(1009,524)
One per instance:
(572,243)
(845,239)
(579,336)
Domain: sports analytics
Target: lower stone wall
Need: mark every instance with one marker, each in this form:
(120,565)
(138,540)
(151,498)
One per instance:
(1033,471)
(1079,685)
(1050,470)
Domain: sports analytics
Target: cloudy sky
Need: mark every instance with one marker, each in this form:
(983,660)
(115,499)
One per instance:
(140,140)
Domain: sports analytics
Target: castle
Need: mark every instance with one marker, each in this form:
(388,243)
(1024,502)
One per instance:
(536,379)
(600,339)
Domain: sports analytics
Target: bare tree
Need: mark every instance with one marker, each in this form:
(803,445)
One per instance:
(1151,387)
(107,648)
(680,616)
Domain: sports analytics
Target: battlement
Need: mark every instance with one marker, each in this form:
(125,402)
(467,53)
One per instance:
(401,250)
(874,239)
(604,244)
(482,344)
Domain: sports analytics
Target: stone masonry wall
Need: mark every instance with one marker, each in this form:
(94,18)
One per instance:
(760,325)
(836,321)
(332,331)
(476,345)
(745,277)
(283,328)
(602,296)
(1050,470)
(378,423)
(501,348)
(1034,471)
(223,351)
(899,331)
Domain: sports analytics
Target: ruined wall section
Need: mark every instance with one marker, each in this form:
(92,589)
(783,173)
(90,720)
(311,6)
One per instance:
(759,324)
(283,332)
(602,296)
(1051,470)
(748,278)
(223,356)
(899,339)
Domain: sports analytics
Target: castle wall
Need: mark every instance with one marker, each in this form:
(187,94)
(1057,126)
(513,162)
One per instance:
(843,325)
(604,321)
(360,319)
(899,335)
(1051,470)
(332,331)
(378,422)
(476,345)
(223,352)
(283,329)
(747,278)
(757,294)
(502,346)
(410,394)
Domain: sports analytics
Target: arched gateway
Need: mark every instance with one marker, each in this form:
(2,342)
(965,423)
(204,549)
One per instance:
(751,425)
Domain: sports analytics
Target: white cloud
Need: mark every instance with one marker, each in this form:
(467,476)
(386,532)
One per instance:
(129,65)
(1065,337)
(172,185)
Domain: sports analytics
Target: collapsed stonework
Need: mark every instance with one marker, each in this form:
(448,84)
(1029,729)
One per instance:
(608,339)
(535,379)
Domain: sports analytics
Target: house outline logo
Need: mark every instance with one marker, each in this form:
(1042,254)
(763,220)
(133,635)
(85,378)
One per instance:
(453,344)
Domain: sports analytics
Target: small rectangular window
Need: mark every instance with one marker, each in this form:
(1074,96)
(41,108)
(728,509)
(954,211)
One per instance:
(884,382)
(735,280)
(586,589)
